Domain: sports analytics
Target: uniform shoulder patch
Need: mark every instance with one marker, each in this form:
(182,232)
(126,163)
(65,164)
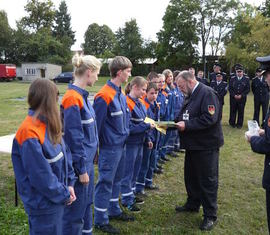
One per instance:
(211,109)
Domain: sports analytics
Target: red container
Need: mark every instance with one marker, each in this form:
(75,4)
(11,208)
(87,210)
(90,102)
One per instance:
(7,71)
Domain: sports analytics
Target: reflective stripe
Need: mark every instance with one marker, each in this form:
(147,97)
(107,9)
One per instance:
(140,183)
(100,209)
(127,194)
(87,231)
(55,159)
(136,119)
(88,121)
(133,188)
(114,200)
(117,113)
(150,180)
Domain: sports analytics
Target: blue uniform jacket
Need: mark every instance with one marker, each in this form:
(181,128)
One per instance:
(260,90)
(221,89)
(178,101)
(261,144)
(80,128)
(112,116)
(169,114)
(239,87)
(153,112)
(137,125)
(162,101)
(43,170)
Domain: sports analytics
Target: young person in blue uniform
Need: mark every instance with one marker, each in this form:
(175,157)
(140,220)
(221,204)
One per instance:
(261,144)
(135,90)
(239,88)
(201,135)
(80,134)
(221,88)
(145,176)
(42,162)
(113,129)
(260,91)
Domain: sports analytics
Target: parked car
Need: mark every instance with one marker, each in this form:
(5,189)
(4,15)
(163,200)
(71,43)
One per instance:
(64,77)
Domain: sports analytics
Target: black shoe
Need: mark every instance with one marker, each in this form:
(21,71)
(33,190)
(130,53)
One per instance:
(138,200)
(122,217)
(233,126)
(238,127)
(173,154)
(208,223)
(159,167)
(151,187)
(186,209)
(160,161)
(158,171)
(182,150)
(165,158)
(133,208)
(107,228)
(141,194)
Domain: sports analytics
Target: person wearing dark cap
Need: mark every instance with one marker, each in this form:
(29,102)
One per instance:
(261,144)
(239,88)
(260,90)
(217,69)
(220,87)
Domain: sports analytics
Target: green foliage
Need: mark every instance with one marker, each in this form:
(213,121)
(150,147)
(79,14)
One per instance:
(265,8)
(99,41)
(249,39)
(129,42)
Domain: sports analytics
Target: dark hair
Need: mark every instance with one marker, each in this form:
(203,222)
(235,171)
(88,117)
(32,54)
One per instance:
(175,73)
(42,98)
(119,63)
(151,85)
(151,76)
(138,81)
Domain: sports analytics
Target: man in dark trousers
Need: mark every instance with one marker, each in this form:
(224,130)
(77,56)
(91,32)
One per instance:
(239,88)
(201,135)
(217,69)
(220,87)
(260,90)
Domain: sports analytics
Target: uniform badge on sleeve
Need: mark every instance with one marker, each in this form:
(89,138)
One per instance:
(211,109)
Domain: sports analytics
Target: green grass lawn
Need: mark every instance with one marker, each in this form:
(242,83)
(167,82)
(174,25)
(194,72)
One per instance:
(241,199)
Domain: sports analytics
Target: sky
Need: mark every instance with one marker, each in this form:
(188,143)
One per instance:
(114,13)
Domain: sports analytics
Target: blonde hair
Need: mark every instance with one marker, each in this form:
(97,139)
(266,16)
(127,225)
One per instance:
(138,81)
(82,63)
(167,72)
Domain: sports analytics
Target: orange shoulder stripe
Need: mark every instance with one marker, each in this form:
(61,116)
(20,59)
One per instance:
(146,104)
(31,128)
(72,98)
(131,104)
(107,93)
(164,93)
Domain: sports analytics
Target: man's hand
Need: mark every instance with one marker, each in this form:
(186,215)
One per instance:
(84,178)
(150,145)
(72,197)
(181,125)
(261,132)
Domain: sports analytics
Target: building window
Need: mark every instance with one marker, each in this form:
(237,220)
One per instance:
(30,71)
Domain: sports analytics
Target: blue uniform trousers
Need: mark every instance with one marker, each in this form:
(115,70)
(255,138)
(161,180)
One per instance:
(152,166)
(110,166)
(132,166)
(47,224)
(164,145)
(78,216)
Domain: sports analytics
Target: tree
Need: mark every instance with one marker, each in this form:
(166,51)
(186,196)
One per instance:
(265,8)
(178,39)
(5,37)
(249,39)
(62,29)
(129,42)
(40,15)
(98,40)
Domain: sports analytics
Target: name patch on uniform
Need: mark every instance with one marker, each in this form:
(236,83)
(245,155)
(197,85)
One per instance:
(211,109)
(186,116)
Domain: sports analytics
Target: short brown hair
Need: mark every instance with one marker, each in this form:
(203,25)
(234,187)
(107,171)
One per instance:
(42,98)
(151,85)
(152,75)
(119,63)
(138,81)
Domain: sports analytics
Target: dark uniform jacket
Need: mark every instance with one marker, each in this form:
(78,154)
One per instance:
(212,76)
(221,89)
(261,144)
(260,89)
(200,113)
(239,87)
(203,80)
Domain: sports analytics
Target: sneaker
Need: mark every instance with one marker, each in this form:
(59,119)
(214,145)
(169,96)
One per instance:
(107,228)
(165,158)
(159,167)
(151,187)
(173,154)
(138,200)
(133,208)
(122,217)
(141,194)
(158,171)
